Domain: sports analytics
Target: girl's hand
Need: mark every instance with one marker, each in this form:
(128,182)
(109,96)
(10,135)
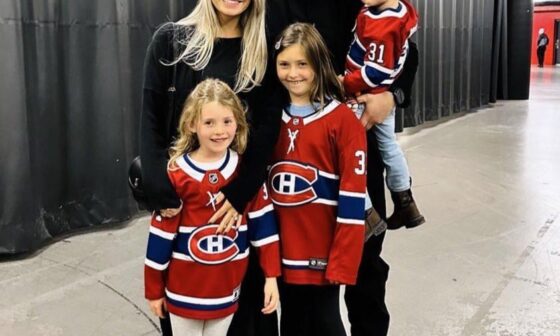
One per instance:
(158,307)
(231,217)
(168,213)
(378,107)
(271,296)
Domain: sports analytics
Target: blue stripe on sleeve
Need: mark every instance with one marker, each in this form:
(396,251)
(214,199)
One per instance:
(351,207)
(159,249)
(263,226)
(356,54)
(376,76)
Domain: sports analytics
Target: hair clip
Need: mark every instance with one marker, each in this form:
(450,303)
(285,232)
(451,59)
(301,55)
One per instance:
(278,44)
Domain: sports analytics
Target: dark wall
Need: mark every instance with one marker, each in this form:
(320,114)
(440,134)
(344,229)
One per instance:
(70,100)
(455,43)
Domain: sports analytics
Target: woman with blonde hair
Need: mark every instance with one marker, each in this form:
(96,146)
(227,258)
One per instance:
(225,40)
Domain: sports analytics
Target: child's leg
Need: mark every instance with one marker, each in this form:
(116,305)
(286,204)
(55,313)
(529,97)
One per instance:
(217,327)
(397,175)
(186,326)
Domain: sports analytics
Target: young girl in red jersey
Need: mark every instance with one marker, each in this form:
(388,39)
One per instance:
(191,270)
(317,183)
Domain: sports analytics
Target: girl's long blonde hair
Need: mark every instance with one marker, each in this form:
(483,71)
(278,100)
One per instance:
(326,85)
(208,91)
(201,29)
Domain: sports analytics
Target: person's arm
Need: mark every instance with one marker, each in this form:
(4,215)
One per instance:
(346,249)
(265,127)
(154,142)
(263,235)
(158,255)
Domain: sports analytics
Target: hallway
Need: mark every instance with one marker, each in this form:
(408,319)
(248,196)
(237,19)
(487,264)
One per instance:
(487,262)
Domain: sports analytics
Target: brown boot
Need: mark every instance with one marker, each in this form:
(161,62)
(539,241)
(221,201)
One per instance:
(375,225)
(406,213)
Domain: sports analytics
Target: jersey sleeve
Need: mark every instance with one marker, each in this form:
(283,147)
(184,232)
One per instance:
(347,246)
(263,232)
(158,254)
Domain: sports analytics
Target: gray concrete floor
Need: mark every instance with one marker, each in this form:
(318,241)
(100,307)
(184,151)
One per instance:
(486,263)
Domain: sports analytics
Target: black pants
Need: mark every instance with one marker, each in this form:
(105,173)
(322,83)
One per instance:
(367,312)
(249,320)
(540,55)
(309,310)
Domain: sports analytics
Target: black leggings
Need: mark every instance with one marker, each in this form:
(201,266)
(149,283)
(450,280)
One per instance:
(309,310)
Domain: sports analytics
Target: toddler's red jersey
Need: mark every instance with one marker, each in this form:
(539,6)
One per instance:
(377,54)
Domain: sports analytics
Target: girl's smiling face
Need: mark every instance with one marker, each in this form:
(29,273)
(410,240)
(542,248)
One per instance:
(296,74)
(215,130)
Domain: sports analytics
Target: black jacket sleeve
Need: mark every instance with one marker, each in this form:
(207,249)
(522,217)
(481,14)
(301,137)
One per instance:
(406,79)
(154,138)
(265,104)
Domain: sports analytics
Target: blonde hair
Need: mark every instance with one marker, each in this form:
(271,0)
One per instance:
(208,91)
(201,30)
(326,85)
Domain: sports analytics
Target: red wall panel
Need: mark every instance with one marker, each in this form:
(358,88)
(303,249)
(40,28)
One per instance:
(544,17)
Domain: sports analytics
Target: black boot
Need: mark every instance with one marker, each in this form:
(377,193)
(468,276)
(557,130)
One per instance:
(406,213)
(375,225)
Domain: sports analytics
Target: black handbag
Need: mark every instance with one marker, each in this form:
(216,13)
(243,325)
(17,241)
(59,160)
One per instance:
(135,169)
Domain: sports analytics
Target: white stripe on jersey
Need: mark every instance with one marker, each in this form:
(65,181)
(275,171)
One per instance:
(350,221)
(360,44)
(265,241)
(366,78)
(259,213)
(184,257)
(295,262)
(201,301)
(328,175)
(155,265)
(379,68)
(325,201)
(352,194)
(161,233)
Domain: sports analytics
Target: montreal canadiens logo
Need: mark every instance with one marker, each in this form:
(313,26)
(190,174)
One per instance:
(206,247)
(292,183)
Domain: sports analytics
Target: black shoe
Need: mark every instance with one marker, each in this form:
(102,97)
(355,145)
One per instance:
(406,212)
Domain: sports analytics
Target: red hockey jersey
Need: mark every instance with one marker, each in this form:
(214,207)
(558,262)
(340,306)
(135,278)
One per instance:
(317,183)
(377,54)
(198,272)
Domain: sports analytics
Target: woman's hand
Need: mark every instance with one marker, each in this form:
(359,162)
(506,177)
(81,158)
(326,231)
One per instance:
(378,107)
(271,296)
(158,307)
(168,213)
(231,218)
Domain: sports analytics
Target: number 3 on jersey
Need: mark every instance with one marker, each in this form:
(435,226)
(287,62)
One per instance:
(361,169)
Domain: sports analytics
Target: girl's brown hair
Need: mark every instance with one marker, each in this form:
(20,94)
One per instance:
(326,85)
(208,91)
